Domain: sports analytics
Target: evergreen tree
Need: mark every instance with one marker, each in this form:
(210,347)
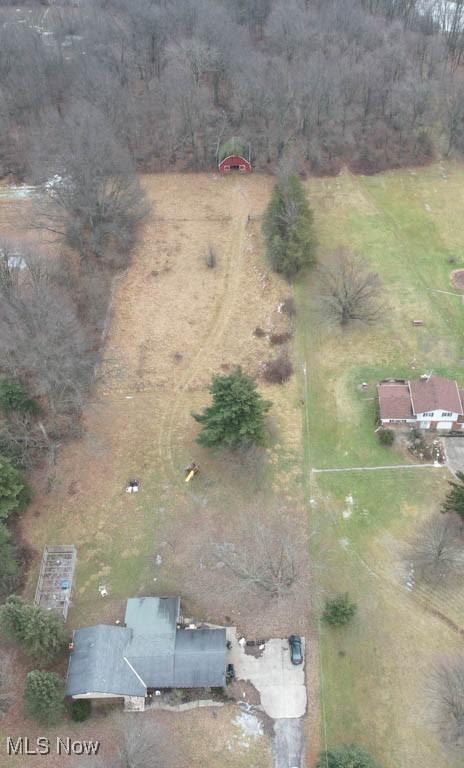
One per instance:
(39,634)
(14,492)
(346,756)
(339,610)
(454,501)
(12,618)
(43,697)
(236,416)
(9,567)
(288,229)
(14,397)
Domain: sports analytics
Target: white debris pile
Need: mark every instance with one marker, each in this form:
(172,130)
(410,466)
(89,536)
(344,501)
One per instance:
(250,727)
(349,506)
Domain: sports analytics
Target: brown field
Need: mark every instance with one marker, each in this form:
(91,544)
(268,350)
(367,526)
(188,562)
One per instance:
(174,323)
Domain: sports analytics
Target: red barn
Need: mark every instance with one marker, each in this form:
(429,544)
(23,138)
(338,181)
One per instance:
(234,155)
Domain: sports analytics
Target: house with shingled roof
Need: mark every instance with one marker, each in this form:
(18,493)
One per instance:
(430,402)
(151,650)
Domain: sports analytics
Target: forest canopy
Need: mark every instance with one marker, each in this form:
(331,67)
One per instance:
(368,83)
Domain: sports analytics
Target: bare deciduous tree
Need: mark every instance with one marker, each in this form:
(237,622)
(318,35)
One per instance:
(264,556)
(95,203)
(349,291)
(41,338)
(445,689)
(143,744)
(437,551)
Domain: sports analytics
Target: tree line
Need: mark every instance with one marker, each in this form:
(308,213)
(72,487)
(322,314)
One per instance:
(362,82)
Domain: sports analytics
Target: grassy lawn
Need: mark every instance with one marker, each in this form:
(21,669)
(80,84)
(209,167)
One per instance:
(408,225)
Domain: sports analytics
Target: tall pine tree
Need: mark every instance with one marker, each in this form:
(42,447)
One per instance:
(14,492)
(38,633)
(236,416)
(454,502)
(9,566)
(288,229)
(43,697)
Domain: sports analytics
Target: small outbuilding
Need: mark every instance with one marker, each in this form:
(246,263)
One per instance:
(234,155)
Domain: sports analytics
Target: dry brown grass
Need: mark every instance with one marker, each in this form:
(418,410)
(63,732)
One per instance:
(174,324)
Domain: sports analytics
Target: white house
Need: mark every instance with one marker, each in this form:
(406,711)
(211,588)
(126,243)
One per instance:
(431,402)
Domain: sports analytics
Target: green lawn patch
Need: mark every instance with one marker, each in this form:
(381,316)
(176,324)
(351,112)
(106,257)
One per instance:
(407,225)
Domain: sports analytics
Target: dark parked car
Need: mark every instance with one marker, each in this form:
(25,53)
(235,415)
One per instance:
(230,673)
(296,652)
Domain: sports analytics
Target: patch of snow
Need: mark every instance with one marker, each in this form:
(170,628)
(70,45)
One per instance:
(249,724)
(16,262)
(17,191)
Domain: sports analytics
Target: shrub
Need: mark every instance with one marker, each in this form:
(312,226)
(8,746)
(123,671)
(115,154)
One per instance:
(339,610)
(259,333)
(43,697)
(279,370)
(280,338)
(346,756)
(288,306)
(80,710)
(386,437)
(211,257)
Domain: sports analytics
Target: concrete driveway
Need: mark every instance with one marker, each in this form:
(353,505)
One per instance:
(280,683)
(287,743)
(454,449)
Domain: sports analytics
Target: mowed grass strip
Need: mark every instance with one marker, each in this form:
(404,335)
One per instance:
(407,226)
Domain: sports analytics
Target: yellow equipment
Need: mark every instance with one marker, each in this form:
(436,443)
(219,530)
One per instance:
(191,470)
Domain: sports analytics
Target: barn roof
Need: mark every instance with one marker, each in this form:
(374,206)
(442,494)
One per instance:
(234,146)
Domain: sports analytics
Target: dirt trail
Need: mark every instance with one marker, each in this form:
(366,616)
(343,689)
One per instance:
(176,322)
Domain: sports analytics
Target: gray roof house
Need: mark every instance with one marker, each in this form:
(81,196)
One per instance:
(149,651)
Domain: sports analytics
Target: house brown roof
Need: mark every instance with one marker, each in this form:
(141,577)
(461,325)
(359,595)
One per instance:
(394,400)
(435,393)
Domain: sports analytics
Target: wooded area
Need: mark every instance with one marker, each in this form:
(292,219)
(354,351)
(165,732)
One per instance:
(363,82)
